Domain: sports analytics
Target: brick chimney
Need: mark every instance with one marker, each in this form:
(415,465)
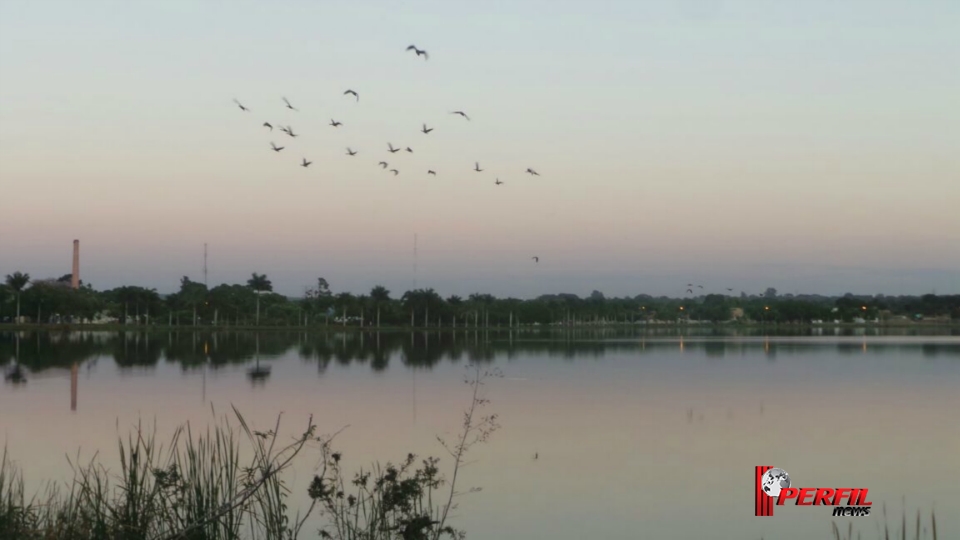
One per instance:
(75,280)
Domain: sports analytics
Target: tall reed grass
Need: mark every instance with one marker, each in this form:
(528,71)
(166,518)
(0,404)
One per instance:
(196,487)
(199,487)
(919,530)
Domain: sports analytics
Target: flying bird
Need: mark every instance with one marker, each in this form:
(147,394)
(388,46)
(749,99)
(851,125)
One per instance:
(533,172)
(420,52)
(334,123)
(351,152)
(267,124)
(383,164)
(288,130)
(395,172)
(431,172)
(690,291)
(477,168)
(305,163)
(729,290)
(356,95)
(276,148)
(536,259)
(409,150)
(289,106)
(242,108)
(461,113)
(498,182)
(392,149)
(425,130)
(701,286)
(689,284)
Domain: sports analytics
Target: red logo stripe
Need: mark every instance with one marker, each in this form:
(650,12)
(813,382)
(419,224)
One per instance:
(762,502)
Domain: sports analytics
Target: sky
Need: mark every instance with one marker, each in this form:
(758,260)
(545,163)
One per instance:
(807,146)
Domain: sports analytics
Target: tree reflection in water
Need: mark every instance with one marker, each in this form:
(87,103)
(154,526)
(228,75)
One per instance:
(25,353)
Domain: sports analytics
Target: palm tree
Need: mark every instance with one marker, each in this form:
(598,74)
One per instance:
(17,281)
(379,295)
(456,304)
(259,283)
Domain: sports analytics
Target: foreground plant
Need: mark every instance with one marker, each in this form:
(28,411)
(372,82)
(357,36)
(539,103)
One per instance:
(196,488)
(405,501)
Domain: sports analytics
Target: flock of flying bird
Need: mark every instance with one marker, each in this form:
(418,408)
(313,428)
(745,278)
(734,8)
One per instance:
(390,148)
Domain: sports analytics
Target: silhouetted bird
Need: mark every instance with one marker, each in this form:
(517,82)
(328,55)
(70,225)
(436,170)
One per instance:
(276,148)
(242,108)
(392,149)
(267,124)
(305,163)
(356,95)
(409,150)
(461,113)
(498,182)
(729,290)
(690,291)
(425,129)
(383,164)
(289,106)
(536,259)
(431,172)
(395,172)
(288,130)
(334,123)
(350,152)
(536,455)
(477,168)
(420,52)
(701,286)
(689,284)
(533,172)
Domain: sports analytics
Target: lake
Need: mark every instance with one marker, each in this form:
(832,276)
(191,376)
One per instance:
(638,433)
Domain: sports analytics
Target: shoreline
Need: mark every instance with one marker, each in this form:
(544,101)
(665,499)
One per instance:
(321,328)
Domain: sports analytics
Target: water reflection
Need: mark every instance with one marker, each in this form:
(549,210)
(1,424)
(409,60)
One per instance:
(26,353)
(674,415)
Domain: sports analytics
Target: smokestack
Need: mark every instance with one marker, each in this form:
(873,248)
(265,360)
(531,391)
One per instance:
(75,280)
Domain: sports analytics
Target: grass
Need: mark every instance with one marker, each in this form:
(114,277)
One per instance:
(196,487)
(919,531)
(201,487)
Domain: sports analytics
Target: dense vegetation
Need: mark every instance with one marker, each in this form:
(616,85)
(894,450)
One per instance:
(255,304)
(228,482)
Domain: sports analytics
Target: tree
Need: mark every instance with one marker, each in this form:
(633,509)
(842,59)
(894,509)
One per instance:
(770,293)
(379,295)
(192,293)
(319,298)
(323,288)
(17,281)
(714,308)
(260,284)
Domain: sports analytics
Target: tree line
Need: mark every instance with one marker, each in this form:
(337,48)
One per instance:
(254,303)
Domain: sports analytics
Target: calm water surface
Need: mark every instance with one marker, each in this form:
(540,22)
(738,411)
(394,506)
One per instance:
(639,434)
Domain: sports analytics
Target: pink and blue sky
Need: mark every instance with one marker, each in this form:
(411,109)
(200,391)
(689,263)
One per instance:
(807,146)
